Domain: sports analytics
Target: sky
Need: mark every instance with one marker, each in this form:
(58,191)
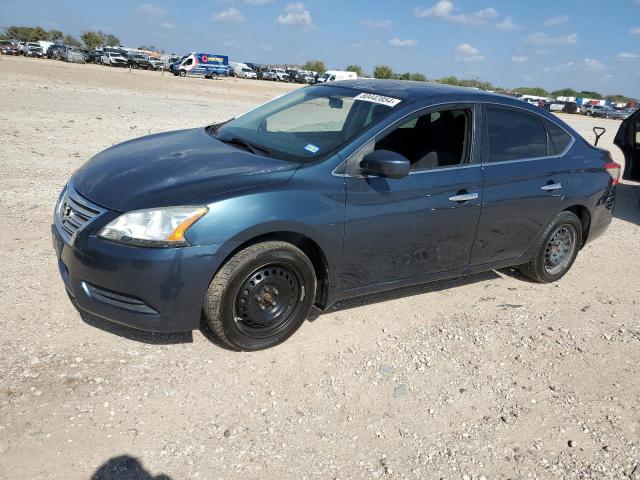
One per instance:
(583,44)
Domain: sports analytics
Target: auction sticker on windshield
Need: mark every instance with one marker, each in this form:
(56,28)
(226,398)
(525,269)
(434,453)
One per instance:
(312,148)
(381,99)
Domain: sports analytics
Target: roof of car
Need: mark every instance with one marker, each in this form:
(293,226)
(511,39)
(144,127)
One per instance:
(409,90)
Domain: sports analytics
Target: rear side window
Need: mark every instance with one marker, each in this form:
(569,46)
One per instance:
(559,138)
(514,135)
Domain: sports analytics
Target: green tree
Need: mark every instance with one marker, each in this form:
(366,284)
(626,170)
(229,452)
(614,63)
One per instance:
(315,66)
(418,77)
(383,71)
(355,68)
(590,94)
(55,36)
(535,91)
(111,40)
(72,41)
(403,76)
(565,92)
(92,39)
(451,80)
(25,34)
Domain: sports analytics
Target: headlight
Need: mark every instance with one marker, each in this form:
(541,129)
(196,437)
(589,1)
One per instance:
(156,227)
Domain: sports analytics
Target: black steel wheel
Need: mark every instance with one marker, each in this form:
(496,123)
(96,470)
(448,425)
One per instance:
(556,249)
(260,296)
(267,300)
(559,249)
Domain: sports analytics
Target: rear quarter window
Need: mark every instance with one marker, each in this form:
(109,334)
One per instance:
(559,138)
(514,135)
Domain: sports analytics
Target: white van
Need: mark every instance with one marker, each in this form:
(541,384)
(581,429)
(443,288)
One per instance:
(242,70)
(335,75)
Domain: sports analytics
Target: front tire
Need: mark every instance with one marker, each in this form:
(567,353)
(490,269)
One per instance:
(556,249)
(261,296)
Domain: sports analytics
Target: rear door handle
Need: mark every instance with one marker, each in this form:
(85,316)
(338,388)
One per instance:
(550,187)
(465,197)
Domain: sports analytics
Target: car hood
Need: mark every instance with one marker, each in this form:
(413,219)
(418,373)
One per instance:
(174,168)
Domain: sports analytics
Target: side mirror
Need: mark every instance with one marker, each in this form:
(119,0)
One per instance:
(385,163)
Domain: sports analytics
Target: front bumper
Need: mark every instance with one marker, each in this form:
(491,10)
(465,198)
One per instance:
(153,289)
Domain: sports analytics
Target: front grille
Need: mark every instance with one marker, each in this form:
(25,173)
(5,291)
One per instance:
(74,213)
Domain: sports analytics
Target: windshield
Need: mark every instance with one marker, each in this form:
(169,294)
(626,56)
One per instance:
(307,124)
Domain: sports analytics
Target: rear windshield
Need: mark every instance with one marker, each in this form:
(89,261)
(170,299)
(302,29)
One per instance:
(308,124)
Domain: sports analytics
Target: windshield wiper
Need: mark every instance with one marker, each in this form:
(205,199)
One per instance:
(243,143)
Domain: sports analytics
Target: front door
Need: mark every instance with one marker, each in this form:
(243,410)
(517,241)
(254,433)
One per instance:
(397,229)
(525,176)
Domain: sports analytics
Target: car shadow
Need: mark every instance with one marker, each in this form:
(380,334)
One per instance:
(404,292)
(152,338)
(125,467)
(628,202)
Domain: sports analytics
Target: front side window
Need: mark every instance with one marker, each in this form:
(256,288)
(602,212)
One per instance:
(432,140)
(307,124)
(514,135)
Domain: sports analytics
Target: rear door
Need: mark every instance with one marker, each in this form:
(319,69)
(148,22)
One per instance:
(423,223)
(525,176)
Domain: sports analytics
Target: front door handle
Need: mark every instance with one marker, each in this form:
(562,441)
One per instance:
(551,187)
(465,197)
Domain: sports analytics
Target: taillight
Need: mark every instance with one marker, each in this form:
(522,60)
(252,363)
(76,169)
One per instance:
(613,169)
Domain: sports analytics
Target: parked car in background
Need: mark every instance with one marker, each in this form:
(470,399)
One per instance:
(55,51)
(329,192)
(33,50)
(246,72)
(590,110)
(613,113)
(276,74)
(261,71)
(74,55)
(114,59)
(139,60)
(7,47)
(94,56)
(305,76)
(156,63)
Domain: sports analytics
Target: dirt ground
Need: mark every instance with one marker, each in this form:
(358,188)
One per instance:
(487,377)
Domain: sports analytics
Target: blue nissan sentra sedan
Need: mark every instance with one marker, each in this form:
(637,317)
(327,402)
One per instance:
(328,192)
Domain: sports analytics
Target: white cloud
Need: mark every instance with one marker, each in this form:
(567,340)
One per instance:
(555,21)
(396,42)
(593,64)
(560,68)
(627,55)
(258,2)
(147,10)
(230,43)
(445,9)
(540,38)
(167,25)
(232,15)
(375,23)
(635,31)
(507,25)
(295,14)
(468,53)
(519,59)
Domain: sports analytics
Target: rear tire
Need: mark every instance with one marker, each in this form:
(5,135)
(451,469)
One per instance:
(182,73)
(260,296)
(555,250)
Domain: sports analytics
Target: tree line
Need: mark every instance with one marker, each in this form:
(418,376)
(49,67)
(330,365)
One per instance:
(386,72)
(88,39)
